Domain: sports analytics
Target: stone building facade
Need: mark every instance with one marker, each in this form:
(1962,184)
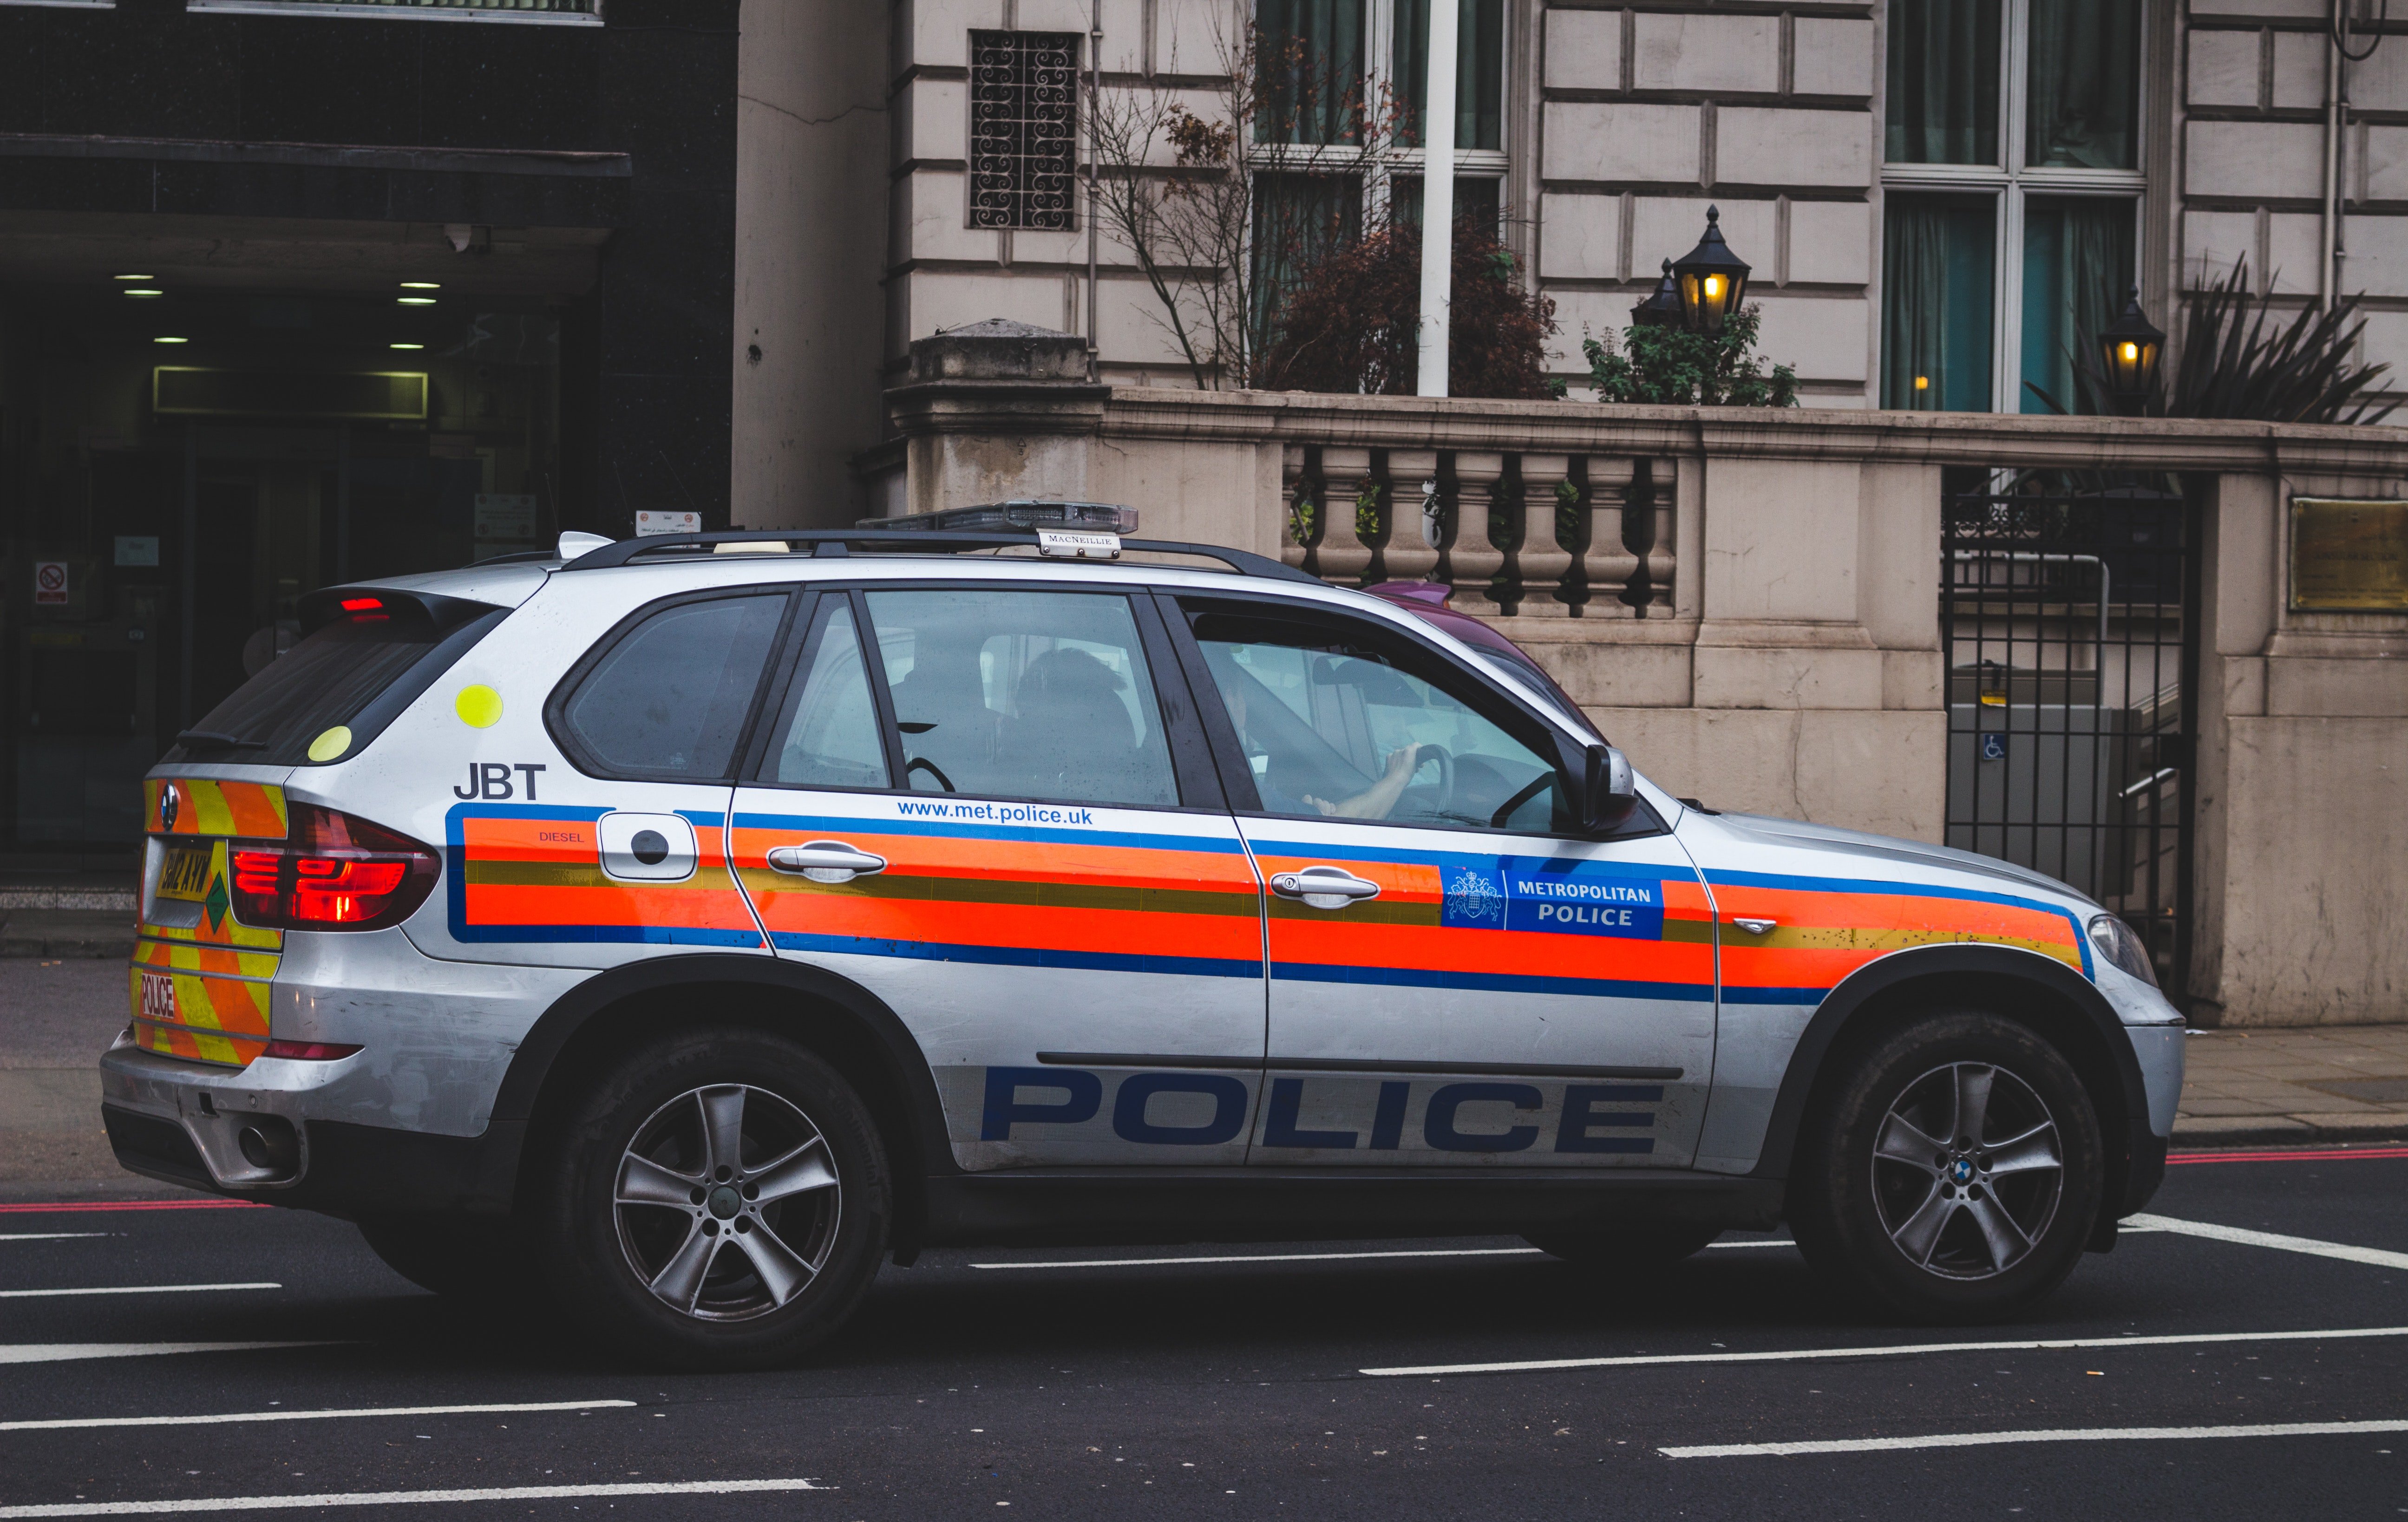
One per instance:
(1937,195)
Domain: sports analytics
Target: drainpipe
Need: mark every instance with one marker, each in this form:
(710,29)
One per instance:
(1095,63)
(2329,274)
(1438,196)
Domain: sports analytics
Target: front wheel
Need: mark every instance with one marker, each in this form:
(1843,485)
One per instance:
(718,1201)
(1952,1171)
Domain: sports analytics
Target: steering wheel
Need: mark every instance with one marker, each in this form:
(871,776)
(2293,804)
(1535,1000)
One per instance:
(922,763)
(1445,760)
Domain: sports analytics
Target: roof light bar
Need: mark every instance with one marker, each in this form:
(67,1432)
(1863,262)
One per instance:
(1022,513)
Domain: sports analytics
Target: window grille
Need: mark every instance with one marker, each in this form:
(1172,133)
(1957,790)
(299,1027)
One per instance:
(1023,129)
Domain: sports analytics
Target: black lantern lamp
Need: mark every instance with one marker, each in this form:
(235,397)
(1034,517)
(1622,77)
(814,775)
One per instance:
(2131,347)
(1663,309)
(1712,279)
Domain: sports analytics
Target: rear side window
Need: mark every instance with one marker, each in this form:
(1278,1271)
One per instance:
(323,701)
(668,697)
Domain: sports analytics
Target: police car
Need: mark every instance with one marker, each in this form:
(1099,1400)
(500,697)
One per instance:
(683,926)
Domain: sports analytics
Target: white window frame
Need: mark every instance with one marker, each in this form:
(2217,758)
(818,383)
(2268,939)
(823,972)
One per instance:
(2010,182)
(1378,47)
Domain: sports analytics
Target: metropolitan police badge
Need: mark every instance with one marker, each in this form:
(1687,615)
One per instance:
(1473,900)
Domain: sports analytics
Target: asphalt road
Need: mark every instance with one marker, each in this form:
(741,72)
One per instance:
(1241,1388)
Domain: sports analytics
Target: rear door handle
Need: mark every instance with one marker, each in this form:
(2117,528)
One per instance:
(1323,887)
(826,861)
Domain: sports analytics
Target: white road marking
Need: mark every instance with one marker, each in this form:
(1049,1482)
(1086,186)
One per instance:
(302,1415)
(2246,1238)
(46,1236)
(130,1289)
(404,1498)
(1896,1350)
(69,1352)
(2069,1435)
(1265,1257)
(1316,1258)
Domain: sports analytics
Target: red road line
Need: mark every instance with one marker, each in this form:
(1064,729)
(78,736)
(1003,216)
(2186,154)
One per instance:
(134,1204)
(2300,1156)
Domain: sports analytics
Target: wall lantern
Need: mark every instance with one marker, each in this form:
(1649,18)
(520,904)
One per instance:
(1712,280)
(1662,309)
(2132,346)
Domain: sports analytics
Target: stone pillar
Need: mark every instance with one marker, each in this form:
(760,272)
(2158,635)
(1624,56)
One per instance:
(1541,563)
(1293,461)
(1340,554)
(1606,563)
(994,410)
(1414,530)
(1473,559)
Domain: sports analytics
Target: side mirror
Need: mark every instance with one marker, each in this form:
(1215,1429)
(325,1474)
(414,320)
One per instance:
(1609,790)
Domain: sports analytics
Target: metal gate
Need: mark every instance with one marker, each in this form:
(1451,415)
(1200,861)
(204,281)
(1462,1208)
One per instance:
(2067,618)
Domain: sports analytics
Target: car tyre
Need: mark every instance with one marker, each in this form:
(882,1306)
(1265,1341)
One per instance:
(1950,1171)
(1631,1249)
(715,1200)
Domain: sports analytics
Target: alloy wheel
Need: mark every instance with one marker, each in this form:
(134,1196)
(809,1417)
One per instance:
(1968,1168)
(727,1202)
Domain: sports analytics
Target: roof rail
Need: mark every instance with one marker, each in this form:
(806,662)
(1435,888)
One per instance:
(824,543)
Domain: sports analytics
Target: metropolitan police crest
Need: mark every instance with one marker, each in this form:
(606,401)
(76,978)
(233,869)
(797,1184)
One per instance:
(1473,899)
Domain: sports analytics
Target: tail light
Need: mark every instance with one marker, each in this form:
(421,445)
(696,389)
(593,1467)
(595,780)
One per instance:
(309,1051)
(331,872)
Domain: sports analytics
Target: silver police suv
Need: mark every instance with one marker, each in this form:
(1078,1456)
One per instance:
(706,918)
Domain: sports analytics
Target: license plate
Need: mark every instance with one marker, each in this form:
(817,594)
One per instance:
(158,998)
(186,875)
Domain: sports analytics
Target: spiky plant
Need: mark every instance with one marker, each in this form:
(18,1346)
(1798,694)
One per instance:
(2240,363)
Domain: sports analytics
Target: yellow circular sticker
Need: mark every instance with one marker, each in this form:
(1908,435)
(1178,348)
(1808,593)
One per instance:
(479,707)
(331,744)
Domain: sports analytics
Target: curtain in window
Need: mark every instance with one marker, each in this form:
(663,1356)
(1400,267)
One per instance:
(2083,111)
(1309,62)
(2077,267)
(1477,202)
(1479,70)
(1296,219)
(1944,81)
(1936,283)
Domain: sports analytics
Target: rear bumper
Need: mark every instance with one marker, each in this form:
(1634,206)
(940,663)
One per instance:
(183,1124)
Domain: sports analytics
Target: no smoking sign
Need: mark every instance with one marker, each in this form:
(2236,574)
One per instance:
(49,581)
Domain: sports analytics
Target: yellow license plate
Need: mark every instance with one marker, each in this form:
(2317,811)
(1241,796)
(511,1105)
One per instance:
(186,875)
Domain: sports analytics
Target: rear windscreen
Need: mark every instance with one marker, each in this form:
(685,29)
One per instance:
(353,675)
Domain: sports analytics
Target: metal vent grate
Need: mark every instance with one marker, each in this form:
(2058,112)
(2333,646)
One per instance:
(1023,129)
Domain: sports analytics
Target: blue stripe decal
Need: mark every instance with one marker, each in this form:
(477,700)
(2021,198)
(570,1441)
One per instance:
(948,829)
(1806,996)
(931,951)
(637,935)
(1498,983)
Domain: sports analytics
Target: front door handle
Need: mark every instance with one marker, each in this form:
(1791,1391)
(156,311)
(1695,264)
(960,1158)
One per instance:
(826,861)
(1323,887)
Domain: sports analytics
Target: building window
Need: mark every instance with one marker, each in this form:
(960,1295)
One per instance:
(1353,76)
(1023,129)
(2012,187)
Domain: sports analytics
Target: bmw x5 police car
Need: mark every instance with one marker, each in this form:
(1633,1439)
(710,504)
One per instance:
(700,919)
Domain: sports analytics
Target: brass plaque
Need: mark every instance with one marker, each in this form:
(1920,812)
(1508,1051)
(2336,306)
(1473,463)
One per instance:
(2347,556)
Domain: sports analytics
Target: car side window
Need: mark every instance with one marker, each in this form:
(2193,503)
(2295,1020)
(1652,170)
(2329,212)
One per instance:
(831,738)
(1033,695)
(1340,721)
(668,699)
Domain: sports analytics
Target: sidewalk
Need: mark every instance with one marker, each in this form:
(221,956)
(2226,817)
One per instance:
(2313,1083)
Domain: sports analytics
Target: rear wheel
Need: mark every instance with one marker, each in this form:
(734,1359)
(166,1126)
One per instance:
(718,1201)
(1633,1249)
(1952,1172)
